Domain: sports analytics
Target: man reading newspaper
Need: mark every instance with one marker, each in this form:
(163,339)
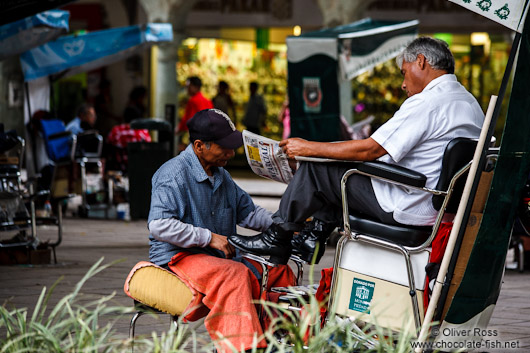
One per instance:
(438,109)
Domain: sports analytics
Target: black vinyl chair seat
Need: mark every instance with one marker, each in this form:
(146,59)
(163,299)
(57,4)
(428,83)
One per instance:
(458,153)
(400,234)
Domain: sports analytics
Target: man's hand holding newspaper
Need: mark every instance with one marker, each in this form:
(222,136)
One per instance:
(266,158)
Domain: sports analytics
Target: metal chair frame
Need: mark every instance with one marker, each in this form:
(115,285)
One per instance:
(142,309)
(11,184)
(350,234)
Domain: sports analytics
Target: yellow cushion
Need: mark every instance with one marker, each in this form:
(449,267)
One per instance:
(158,288)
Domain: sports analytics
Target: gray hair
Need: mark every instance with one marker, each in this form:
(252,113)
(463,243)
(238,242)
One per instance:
(436,52)
(84,108)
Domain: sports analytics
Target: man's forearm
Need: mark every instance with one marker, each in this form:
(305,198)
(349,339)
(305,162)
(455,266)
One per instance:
(354,150)
(176,232)
(260,219)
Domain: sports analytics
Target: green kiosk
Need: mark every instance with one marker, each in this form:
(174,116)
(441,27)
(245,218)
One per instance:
(322,63)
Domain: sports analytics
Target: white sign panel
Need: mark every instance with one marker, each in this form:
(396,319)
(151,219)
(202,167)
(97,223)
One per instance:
(509,13)
(354,65)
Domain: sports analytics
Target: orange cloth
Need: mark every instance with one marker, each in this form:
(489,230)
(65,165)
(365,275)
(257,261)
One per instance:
(223,292)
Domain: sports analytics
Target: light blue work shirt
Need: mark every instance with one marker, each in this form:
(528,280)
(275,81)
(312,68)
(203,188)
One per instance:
(181,189)
(75,126)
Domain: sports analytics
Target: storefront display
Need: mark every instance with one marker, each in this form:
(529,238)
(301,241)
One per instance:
(377,92)
(238,63)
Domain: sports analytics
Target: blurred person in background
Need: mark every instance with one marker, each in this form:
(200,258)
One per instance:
(223,100)
(84,121)
(136,107)
(196,102)
(285,119)
(83,125)
(38,161)
(103,106)
(256,110)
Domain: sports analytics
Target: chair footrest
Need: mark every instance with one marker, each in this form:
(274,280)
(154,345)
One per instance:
(297,259)
(264,261)
(295,292)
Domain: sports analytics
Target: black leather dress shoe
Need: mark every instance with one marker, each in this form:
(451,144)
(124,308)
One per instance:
(274,242)
(314,233)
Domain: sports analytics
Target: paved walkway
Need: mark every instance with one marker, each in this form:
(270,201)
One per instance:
(87,240)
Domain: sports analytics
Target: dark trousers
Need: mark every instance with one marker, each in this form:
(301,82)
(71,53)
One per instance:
(255,130)
(315,191)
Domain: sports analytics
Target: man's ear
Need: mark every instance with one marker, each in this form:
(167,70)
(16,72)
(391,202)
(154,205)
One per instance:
(421,61)
(198,145)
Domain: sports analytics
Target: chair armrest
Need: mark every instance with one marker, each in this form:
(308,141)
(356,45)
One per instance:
(90,135)
(393,173)
(59,135)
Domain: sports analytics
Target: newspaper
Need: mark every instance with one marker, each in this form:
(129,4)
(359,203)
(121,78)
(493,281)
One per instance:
(266,158)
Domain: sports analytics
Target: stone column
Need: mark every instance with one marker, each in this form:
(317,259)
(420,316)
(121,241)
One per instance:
(340,12)
(165,81)
(336,13)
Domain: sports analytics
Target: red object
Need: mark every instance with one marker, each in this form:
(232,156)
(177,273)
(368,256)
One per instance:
(223,291)
(121,135)
(322,294)
(438,249)
(195,104)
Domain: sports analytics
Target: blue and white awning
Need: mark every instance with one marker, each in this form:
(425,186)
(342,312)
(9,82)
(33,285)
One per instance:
(73,54)
(30,32)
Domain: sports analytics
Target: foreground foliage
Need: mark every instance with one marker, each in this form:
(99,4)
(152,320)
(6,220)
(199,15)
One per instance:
(78,324)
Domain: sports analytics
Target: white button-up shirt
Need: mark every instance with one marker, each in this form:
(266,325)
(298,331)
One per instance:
(416,137)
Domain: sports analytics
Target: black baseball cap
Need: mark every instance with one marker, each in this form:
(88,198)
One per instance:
(215,126)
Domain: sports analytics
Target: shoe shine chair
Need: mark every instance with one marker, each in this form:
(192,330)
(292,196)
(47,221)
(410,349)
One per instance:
(88,153)
(379,269)
(13,213)
(15,196)
(68,152)
(51,145)
(379,274)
